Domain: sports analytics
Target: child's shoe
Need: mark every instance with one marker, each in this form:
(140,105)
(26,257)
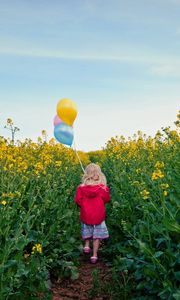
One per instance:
(86,250)
(94,259)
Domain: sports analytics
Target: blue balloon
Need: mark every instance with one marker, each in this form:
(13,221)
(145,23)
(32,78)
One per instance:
(64,134)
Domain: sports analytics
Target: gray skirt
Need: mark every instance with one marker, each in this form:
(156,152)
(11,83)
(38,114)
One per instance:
(99,231)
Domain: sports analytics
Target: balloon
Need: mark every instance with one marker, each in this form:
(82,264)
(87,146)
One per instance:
(56,120)
(67,111)
(64,134)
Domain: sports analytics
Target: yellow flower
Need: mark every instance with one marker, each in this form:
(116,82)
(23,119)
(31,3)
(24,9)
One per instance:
(157,174)
(159,165)
(145,194)
(3,202)
(37,248)
(165,193)
(58,163)
(9,121)
(38,168)
(8,195)
(164,186)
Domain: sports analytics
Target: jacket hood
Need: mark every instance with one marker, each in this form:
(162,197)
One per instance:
(90,191)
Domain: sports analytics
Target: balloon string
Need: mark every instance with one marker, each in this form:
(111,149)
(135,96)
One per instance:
(78,157)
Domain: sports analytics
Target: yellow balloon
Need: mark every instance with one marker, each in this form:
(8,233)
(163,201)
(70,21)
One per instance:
(67,111)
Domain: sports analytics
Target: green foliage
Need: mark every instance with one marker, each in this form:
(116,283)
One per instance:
(39,222)
(143,215)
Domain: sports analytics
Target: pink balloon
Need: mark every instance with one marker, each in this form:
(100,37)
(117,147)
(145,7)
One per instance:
(56,120)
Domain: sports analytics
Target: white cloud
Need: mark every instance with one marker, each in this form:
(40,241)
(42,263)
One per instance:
(135,57)
(159,65)
(166,70)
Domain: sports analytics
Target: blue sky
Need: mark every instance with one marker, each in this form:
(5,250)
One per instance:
(118,60)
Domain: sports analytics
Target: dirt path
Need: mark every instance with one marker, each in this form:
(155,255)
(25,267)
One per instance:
(87,286)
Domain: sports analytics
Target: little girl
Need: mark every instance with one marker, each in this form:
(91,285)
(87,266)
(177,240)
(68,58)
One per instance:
(91,197)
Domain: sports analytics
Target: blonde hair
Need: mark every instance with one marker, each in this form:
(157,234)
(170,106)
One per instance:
(93,175)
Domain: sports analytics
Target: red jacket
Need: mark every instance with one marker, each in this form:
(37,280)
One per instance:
(92,199)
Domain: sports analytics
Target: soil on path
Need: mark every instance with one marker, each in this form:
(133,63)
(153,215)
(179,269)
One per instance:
(87,286)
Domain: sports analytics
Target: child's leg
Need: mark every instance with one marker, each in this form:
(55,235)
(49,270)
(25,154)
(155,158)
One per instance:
(96,243)
(87,241)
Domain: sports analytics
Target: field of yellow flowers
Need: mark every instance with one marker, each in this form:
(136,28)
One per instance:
(38,219)
(39,225)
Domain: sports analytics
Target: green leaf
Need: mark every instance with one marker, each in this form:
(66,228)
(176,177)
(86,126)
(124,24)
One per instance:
(172,226)
(158,254)
(177,275)
(10,263)
(160,240)
(176,296)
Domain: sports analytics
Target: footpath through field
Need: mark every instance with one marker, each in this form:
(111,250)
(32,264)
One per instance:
(87,286)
